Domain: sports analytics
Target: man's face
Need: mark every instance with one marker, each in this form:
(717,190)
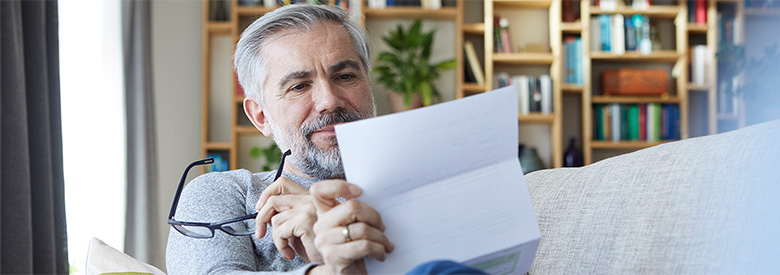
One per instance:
(315,80)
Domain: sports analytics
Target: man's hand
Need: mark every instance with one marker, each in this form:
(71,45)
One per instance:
(346,233)
(290,211)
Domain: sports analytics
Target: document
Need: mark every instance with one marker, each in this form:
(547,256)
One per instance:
(447,182)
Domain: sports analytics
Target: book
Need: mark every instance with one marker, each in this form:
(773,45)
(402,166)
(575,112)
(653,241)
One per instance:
(640,4)
(630,36)
(701,11)
(497,43)
(506,41)
(606,39)
(523,101)
(617,33)
(633,122)
(615,120)
(642,121)
(595,33)
(608,5)
(578,56)
(598,122)
(473,62)
(545,87)
(699,64)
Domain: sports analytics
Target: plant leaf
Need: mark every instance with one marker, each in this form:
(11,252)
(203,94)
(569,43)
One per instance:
(446,65)
(425,92)
(427,42)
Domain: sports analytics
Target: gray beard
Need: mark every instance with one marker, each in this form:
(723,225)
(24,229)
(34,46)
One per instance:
(316,162)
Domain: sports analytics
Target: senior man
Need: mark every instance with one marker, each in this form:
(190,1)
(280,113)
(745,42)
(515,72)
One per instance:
(305,68)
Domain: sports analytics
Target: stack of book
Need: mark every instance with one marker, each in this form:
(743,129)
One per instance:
(573,59)
(534,94)
(618,34)
(649,122)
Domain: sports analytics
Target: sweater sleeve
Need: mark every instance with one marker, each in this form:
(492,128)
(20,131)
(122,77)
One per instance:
(215,197)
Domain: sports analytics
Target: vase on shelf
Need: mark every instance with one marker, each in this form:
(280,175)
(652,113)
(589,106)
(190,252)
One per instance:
(572,157)
(529,159)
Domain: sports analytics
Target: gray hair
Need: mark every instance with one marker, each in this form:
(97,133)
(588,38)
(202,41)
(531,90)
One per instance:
(250,64)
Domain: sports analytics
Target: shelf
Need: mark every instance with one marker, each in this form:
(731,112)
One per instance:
(536,118)
(218,27)
(571,88)
(523,3)
(523,58)
(411,13)
(571,27)
(474,28)
(243,129)
(655,56)
(654,11)
(473,87)
(697,87)
(217,146)
(253,10)
(624,144)
(635,99)
(697,28)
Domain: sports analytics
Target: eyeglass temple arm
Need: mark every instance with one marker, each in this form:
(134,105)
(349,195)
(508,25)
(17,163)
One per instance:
(181,184)
(281,164)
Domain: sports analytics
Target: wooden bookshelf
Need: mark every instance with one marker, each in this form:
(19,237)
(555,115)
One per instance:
(655,56)
(624,144)
(536,118)
(634,99)
(523,58)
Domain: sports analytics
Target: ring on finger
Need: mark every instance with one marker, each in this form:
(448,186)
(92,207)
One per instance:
(347,238)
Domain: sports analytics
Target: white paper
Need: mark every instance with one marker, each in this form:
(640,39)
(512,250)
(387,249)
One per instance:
(448,184)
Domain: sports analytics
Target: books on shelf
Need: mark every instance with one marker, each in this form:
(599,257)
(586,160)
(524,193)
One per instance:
(534,94)
(572,59)
(474,67)
(649,122)
(617,34)
(502,42)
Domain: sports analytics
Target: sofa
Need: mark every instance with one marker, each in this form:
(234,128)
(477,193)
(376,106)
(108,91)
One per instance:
(698,206)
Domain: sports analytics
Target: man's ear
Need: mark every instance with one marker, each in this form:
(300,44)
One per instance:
(256,114)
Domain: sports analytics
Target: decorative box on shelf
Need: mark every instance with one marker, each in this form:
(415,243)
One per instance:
(629,81)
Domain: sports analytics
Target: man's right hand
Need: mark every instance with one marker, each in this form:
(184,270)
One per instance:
(346,232)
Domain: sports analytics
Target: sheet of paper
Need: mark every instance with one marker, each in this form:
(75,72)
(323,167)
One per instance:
(447,182)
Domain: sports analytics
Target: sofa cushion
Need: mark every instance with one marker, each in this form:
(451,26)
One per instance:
(701,205)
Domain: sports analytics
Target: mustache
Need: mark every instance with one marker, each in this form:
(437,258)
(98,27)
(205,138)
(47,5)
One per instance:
(340,115)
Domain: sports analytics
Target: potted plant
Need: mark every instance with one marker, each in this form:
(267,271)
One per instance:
(407,69)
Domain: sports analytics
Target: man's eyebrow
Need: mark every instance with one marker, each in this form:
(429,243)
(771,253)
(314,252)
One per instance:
(344,65)
(293,76)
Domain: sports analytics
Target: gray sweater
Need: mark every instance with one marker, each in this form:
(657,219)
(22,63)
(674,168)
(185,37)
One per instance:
(220,196)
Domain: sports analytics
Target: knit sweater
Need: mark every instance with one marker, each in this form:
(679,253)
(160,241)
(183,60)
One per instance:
(220,196)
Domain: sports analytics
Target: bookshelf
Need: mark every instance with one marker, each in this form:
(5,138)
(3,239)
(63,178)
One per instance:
(225,129)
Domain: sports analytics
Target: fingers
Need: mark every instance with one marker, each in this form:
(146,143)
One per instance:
(357,232)
(279,204)
(350,212)
(293,224)
(326,192)
(282,185)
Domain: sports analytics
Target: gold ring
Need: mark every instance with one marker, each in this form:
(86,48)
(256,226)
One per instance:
(346,234)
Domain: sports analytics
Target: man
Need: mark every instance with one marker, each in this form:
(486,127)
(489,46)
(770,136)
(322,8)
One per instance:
(305,68)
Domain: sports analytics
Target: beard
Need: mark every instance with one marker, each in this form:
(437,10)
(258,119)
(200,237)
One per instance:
(314,161)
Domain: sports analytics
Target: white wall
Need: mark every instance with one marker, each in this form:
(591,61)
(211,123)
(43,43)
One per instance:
(176,53)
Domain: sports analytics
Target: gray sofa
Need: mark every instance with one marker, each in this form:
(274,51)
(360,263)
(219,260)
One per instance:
(698,206)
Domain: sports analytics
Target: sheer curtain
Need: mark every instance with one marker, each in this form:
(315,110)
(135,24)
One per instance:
(141,236)
(32,208)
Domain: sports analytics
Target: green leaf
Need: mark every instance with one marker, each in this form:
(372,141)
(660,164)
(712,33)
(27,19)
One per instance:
(446,65)
(426,43)
(425,92)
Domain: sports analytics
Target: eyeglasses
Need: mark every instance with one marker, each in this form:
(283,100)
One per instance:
(201,230)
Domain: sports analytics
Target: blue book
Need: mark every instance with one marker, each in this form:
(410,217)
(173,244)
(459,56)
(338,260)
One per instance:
(606,39)
(569,62)
(578,61)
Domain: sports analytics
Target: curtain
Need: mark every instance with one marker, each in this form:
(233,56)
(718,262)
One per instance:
(142,225)
(33,236)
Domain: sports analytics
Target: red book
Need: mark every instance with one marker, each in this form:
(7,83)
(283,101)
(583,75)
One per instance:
(642,121)
(701,11)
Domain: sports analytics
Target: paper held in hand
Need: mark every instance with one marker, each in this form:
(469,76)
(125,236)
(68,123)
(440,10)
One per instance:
(447,182)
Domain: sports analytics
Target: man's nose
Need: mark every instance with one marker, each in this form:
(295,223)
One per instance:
(327,97)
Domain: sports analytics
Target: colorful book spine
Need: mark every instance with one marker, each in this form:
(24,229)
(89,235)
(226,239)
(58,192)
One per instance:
(545,87)
(617,33)
(633,122)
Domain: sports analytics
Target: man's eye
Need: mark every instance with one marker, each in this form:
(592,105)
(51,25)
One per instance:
(346,77)
(298,87)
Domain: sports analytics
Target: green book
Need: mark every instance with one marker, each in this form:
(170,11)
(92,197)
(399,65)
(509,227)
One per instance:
(598,122)
(633,122)
(624,122)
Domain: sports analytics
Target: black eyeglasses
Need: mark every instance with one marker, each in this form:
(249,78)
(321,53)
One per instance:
(201,230)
